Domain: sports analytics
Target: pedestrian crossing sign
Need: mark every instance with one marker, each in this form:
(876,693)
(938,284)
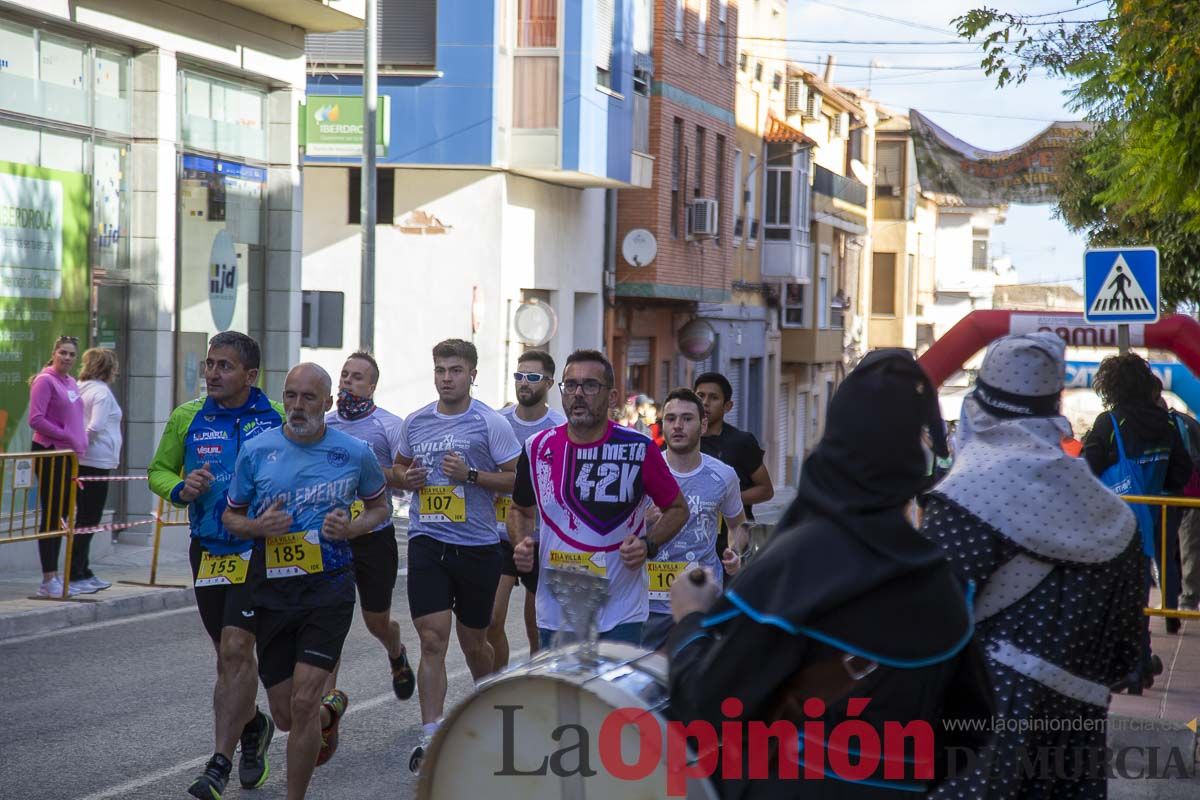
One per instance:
(1120,284)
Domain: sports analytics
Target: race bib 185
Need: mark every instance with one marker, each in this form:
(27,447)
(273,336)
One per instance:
(297,553)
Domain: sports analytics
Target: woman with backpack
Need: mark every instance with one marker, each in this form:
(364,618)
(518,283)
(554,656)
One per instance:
(1134,448)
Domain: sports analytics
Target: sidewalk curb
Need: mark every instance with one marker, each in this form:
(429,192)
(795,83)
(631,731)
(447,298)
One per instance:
(59,615)
(1160,734)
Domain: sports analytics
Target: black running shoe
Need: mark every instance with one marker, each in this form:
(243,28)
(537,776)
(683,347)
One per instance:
(404,682)
(253,769)
(211,782)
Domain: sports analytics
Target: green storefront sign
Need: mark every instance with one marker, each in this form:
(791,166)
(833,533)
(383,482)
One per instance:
(333,125)
(44,220)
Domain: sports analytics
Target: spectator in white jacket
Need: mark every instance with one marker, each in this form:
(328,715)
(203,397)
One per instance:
(102,417)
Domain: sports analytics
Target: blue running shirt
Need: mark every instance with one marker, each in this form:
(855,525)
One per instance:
(313,480)
(452,512)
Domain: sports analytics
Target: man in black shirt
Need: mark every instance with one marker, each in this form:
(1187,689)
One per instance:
(737,448)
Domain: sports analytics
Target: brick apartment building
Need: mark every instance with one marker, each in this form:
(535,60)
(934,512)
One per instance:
(692,138)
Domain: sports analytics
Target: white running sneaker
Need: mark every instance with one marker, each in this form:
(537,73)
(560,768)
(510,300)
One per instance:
(50,588)
(418,755)
(99,583)
(82,586)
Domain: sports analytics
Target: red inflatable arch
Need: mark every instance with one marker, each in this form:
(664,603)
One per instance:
(1174,332)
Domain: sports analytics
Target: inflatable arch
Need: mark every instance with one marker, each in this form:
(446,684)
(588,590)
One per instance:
(1174,332)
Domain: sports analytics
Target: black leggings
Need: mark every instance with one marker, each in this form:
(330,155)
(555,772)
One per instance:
(89,508)
(54,481)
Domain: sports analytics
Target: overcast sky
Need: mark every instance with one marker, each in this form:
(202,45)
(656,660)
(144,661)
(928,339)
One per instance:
(943,82)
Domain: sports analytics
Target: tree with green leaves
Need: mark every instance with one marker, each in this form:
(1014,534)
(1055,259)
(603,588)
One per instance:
(1135,66)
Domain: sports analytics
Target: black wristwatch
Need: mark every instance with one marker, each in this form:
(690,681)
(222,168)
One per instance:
(472,476)
(651,548)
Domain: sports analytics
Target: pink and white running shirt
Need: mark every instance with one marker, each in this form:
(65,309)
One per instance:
(589,498)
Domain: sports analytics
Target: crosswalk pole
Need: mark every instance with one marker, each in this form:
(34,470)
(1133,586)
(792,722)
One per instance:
(1123,339)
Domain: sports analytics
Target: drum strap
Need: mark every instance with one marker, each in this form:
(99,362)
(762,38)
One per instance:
(829,680)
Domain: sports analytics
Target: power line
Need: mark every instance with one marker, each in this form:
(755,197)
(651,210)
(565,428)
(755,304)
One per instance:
(908,23)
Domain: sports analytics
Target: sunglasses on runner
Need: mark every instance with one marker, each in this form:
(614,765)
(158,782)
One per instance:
(529,377)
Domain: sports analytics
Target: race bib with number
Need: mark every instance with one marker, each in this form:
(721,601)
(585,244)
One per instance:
(662,575)
(222,570)
(502,505)
(293,554)
(443,504)
(568,561)
(356,508)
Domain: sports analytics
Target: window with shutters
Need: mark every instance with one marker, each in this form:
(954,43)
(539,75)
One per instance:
(735,381)
(889,169)
(536,66)
(979,249)
(778,214)
(702,28)
(676,177)
(407,37)
(883,284)
(752,210)
(737,195)
(794,296)
(719,189)
(722,43)
(698,189)
(680,14)
(605,28)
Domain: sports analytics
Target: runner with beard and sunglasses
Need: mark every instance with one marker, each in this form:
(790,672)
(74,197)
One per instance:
(587,480)
(532,414)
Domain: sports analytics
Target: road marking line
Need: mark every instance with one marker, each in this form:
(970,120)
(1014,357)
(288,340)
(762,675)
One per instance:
(91,626)
(193,763)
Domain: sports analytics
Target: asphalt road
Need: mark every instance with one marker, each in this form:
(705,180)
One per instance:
(123,710)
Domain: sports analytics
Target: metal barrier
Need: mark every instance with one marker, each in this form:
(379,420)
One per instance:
(1165,503)
(166,515)
(22,473)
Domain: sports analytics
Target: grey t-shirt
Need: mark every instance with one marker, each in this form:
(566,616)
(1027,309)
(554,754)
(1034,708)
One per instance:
(381,431)
(522,430)
(452,512)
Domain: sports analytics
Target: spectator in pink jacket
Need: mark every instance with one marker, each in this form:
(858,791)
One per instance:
(56,416)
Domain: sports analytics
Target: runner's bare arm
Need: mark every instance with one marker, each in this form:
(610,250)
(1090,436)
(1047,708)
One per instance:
(456,469)
(762,490)
(672,520)
(521,522)
(376,511)
(739,532)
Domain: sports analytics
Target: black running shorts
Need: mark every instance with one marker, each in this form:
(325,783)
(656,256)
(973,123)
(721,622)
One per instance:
(458,578)
(376,562)
(287,637)
(509,567)
(221,606)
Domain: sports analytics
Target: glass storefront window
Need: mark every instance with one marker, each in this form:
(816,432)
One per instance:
(221,208)
(110,100)
(46,75)
(110,207)
(223,117)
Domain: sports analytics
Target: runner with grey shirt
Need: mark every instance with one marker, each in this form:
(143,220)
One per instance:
(532,414)
(376,555)
(456,455)
(712,491)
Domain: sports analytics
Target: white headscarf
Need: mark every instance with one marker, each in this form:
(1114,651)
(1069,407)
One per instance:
(1011,471)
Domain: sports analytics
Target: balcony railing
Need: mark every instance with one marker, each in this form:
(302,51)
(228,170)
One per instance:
(840,187)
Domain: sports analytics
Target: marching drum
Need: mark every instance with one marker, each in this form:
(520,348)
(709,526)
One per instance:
(524,733)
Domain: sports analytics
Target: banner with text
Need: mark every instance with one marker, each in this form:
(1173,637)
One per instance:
(44,221)
(333,125)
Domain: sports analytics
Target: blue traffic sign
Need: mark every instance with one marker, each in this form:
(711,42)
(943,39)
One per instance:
(1120,284)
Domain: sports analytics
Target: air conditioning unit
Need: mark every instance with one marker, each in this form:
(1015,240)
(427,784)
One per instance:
(841,125)
(797,95)
(702,218)
(812,108)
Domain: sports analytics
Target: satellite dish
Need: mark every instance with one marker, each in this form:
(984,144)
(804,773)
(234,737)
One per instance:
(860,171)
(639,248)
(535,322)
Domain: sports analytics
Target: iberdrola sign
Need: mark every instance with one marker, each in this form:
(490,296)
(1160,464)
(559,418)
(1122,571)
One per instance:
(333,125)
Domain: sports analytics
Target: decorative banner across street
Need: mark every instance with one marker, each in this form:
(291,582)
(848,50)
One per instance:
(1027,173)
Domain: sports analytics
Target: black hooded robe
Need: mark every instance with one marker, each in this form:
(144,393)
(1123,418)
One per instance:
(844,574)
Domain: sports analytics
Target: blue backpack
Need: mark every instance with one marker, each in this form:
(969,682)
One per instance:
(1144,476)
